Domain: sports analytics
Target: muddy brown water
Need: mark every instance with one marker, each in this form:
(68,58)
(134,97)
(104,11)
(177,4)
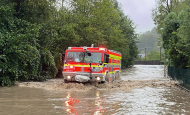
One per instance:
(143,90)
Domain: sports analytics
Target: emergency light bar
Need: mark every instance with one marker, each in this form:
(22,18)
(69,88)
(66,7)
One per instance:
(103,49)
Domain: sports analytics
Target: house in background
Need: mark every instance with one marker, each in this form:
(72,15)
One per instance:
(141,55)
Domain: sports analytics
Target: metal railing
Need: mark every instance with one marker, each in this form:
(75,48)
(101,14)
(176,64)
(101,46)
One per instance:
(181,75)
(151,62)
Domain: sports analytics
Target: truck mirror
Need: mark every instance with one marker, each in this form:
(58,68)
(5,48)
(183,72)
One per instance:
(107,58)
(88,53)
(63,57)
(100,62)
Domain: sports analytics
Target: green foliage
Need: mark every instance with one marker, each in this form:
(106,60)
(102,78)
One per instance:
(35,33)
(175,34)
(148,40)
(19,54)
(163,8)
(127,45)
(99,23)
(155,55)
(19,49)
(183,44)
(173,40)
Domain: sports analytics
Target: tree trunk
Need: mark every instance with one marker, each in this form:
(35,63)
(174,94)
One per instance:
(18,6)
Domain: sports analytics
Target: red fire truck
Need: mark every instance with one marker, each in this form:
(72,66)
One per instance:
(83,64)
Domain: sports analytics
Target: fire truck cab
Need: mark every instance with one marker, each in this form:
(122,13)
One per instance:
(84,64)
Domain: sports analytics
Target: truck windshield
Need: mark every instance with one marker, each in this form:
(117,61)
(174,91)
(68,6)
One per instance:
(83,57)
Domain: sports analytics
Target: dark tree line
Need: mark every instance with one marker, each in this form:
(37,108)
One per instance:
(172,20)
(35,33)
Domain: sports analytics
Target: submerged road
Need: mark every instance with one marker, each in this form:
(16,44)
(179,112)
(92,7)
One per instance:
(139,101)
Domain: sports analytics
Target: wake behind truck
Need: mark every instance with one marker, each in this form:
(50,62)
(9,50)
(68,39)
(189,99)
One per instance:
(84,64)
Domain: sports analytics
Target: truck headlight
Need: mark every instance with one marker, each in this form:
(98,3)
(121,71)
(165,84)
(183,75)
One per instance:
(98,78)
(68,77)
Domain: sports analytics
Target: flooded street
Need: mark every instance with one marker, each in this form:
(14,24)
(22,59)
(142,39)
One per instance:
(144,72)
(152,98)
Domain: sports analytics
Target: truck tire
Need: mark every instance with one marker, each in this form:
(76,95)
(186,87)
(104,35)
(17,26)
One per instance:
(102,82)
(65,81)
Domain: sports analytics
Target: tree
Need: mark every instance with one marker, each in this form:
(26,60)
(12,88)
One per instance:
(19,55)
(171,19)
(163,8)
(34,34)
(127,46)
(184,43)
(99,23)
(155,55)
(148,40)
(173,42)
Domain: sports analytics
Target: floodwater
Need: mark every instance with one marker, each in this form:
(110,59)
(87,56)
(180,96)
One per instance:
(146,100)
(144,72)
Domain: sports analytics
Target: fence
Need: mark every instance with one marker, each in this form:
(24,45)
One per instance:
(181,75)
(151,62)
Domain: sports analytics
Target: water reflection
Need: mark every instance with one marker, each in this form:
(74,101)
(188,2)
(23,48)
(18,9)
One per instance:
(99,108)
(93,105)
(143,101)
(70,104)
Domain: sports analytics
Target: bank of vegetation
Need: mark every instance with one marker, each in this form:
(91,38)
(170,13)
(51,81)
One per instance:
(35,33)
(148,40)
(172,20)
(149,44)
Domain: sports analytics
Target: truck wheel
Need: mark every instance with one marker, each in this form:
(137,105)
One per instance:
(65,81)
(102,82)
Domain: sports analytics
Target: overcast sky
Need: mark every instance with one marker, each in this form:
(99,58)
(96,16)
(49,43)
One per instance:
(140,12)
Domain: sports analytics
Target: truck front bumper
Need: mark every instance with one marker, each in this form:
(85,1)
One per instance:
(70,76)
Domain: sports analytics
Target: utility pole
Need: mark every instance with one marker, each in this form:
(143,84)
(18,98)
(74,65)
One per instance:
(62,4)
(160,53)
(164,64)
(145,54)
